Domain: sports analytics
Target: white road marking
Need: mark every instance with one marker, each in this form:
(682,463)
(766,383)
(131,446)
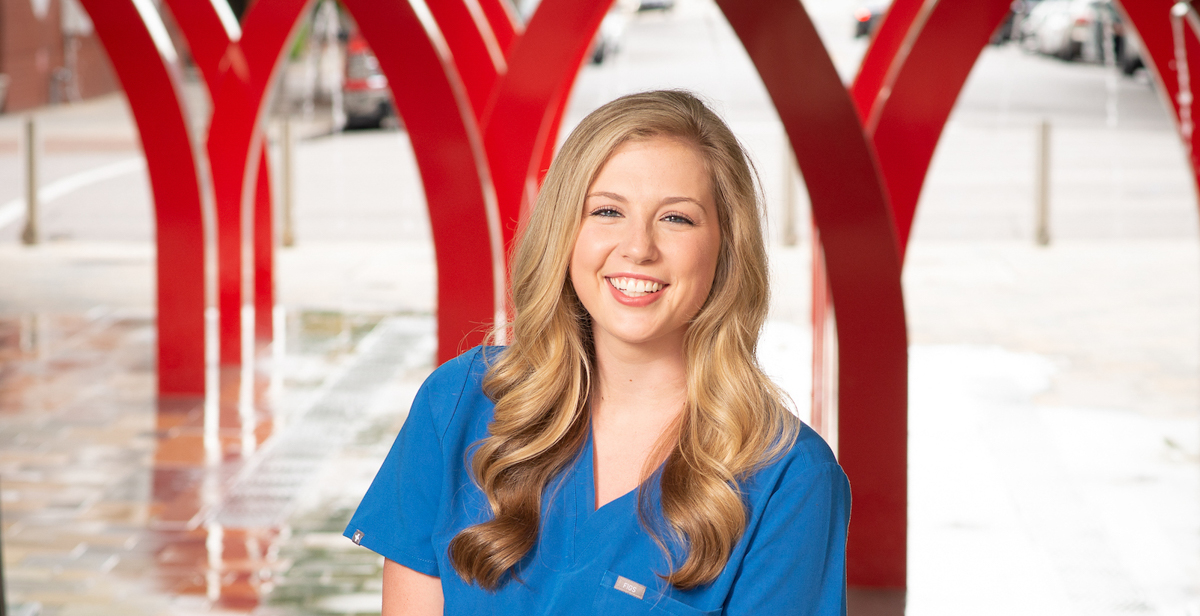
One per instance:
(15,210)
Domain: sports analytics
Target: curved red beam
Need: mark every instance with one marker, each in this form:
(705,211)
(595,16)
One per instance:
(234,140)
(153,89)
(850,208)
(264,253)
(209,39)
(449,151)
(530,98)
(1152,20)
(478,55)
(503,19)
(205,34)
(886,47)
(916,99)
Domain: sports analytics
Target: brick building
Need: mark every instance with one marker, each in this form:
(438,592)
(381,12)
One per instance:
(49,54)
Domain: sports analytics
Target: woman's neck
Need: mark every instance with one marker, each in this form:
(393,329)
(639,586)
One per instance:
(640,379)
(637,398)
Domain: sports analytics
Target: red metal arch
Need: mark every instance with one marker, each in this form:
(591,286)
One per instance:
(209,42)
(454,171)
(530,98)
(478,56)
(235,139)
(147,73)
(919,62)
(505,26)
(850,208)
(905,90)
(915,69)
(887,44)
(911,104)
(1152,20)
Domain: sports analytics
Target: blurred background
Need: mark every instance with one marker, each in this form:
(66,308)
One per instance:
(1054,420)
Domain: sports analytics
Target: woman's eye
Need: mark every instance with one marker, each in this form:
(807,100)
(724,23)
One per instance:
(678,218)
(605,211)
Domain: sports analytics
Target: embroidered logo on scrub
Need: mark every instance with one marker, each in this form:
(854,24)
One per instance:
(630,587)
(358,537)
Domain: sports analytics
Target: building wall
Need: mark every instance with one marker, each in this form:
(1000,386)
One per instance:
(32,52)
(96,75)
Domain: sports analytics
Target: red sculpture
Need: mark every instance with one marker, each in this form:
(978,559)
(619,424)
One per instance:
(235,143)
(886,45)
(529,100)
(218,55)
(145,62)
(454,171)
(909,107)
(850,209)
(483,106)
(1153,21)
(478,55)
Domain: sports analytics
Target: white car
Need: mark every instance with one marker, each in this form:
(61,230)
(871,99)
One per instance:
(1068,29)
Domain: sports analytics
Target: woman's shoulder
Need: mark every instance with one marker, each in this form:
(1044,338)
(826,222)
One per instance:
(809,449)
(808,457)
(454,391)
(468,367)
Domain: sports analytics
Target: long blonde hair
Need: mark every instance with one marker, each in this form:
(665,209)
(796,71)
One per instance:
(735,419)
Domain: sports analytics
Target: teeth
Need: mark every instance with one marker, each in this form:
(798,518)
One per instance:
(635,287)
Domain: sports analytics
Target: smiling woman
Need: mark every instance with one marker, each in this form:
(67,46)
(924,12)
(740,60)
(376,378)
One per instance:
(647,248)
(625,453)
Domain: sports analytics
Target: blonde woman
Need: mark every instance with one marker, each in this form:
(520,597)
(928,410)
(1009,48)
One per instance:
(625,454)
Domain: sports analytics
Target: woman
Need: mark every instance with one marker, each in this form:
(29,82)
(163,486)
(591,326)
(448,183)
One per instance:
(625,454)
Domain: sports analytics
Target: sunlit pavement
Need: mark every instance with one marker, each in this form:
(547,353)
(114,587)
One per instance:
(114,503)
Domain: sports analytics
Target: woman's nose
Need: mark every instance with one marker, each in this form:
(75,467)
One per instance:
(639,245)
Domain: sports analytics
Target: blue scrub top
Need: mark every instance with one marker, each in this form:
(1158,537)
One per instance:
(790,560)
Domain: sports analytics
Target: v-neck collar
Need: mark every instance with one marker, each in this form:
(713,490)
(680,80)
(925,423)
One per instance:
(585,483)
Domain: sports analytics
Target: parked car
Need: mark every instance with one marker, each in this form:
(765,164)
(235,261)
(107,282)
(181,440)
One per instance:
(867,18)
(656,5)
(612,28)
(1020,14)
(1071,29)
(366,98)
(1048,29)
(608,37)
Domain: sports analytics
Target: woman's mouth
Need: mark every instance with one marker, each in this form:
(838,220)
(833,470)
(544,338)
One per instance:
(635,287)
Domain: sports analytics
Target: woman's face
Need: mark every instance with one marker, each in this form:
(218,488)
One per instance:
(647,248)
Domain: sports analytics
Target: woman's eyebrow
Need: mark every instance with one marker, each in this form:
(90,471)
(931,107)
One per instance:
(674,200)
(613,196)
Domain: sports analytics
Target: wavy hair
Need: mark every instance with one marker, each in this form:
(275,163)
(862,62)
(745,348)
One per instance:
(735,419)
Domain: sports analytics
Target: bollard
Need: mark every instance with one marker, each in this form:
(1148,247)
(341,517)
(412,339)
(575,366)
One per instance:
(1109,50)
(29,236)
(3,598)
(1042,236)
(289,233)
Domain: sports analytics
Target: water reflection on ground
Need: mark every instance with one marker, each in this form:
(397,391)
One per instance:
(116,502)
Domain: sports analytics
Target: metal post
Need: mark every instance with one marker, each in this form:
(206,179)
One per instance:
(1179,12)
(289,233)
(29,235)
(3,598)
(1109,49)
(1042,236)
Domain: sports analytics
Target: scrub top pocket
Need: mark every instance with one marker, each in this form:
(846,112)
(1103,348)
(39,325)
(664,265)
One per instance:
(611,601)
